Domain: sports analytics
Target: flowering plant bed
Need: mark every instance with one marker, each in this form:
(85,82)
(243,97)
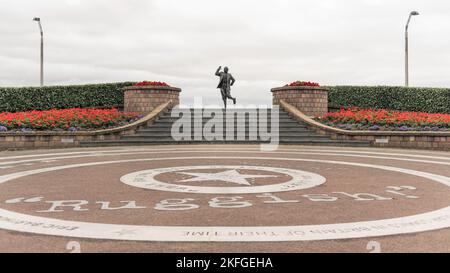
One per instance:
(74,119)
(150,83)
(385,120)
(303,83)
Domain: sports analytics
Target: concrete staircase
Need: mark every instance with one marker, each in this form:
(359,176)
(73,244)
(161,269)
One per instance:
(290,132)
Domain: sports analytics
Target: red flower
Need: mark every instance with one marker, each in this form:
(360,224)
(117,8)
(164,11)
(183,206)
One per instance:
(302,83)
(150,83)
(389,118)
(65,119)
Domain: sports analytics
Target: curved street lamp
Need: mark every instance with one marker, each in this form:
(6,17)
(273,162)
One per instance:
(42,49)
(413,13)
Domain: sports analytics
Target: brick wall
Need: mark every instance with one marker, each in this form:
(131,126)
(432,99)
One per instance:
(312,101)
(143,99)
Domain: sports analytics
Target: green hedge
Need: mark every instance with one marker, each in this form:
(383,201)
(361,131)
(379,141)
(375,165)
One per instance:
(61,97)
(431,100)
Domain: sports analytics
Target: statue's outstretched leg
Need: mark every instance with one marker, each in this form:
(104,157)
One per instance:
(230,97)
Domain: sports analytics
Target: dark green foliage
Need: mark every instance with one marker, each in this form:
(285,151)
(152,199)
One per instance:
(61,97)
(431,100)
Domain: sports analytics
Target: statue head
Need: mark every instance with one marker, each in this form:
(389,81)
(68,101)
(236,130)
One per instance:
(225,69)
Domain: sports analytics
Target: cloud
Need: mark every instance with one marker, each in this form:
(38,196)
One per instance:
(265,43)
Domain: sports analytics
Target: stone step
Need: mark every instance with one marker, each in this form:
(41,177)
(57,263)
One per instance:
(325,142)
(160,142)
(283,134)
(173,119)
(246,123)
(281,125)
(240,113)
(238,110)
(224,119)
(169,137)
(297,129)
(291,132)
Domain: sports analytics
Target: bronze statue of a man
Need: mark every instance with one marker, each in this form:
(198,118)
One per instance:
(226,81)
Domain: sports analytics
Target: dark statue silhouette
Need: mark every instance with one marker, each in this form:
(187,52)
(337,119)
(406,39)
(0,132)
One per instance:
(226,81)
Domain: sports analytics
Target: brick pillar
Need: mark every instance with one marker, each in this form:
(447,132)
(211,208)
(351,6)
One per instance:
(312,101)
(143,99)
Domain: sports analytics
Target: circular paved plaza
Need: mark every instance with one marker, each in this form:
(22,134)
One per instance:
(224,198)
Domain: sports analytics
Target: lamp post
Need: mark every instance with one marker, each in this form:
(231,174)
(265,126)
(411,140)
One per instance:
(413,13)
(42,49)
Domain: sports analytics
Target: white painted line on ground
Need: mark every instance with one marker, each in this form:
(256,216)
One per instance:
(54,159)
(215,148)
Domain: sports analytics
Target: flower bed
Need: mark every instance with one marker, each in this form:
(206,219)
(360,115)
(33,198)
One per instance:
(146,83)
(74,119)
(302,83)
(384,120)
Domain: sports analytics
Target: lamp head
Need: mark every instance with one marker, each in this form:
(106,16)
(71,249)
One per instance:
(37,19)
(414,13)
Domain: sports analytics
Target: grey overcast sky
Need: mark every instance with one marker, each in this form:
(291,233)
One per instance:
(266,43)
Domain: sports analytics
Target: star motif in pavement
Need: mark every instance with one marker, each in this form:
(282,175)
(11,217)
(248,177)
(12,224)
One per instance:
(231,176)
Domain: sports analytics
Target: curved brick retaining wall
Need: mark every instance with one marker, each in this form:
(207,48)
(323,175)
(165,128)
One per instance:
(417,140)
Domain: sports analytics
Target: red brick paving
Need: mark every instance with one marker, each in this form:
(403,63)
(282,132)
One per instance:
(102,183)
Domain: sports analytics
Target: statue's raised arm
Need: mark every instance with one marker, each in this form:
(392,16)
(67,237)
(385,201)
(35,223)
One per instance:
(218,71)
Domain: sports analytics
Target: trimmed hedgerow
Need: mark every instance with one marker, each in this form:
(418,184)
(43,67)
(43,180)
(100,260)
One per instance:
(431,100)
(61,97)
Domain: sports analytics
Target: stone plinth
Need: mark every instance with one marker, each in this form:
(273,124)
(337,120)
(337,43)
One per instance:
(143,99)
(312,101)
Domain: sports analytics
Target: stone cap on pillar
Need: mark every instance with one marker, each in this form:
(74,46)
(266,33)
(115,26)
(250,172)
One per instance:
(286,88)
(152,87)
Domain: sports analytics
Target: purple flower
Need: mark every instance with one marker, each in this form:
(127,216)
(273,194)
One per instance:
(374,128)
(404,128)
(72,129)
(26,130)
(345,126)
(3,129)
